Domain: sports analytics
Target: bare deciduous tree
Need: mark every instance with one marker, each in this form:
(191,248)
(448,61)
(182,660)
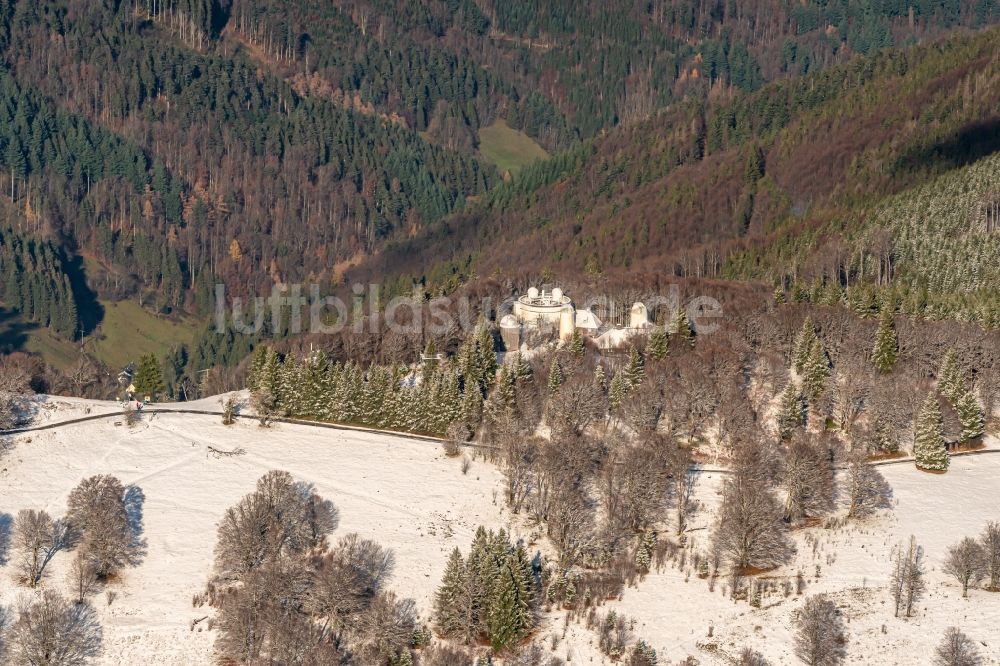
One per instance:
(517,459)
(907,578)
(866,488)
(385,628)
(55,632)
(562,498)
(991,547)
(346,579)
(956,649)
(820,639)
(750,657)
(643,408)
(82,576)
(966,561)
(532,655)
(678,464)
(636,488)
(98,517)
(280,516)
(576,404)
(807,478)
(34,540)
(15,387)
(750,532)
(265,406)
(254,617)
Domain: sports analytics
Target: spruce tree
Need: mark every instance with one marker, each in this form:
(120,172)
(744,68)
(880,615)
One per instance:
(617,391)
(789,411)
(510,607)
(522,369)
(468,362)
(681,327)
(635,370)
(971,416)
(643,655)
(486,354)
(600,377)
(951,378)
(268,376)
(148,378)
(886,349)
(929,450)
(451,605)
(658,346)
(472,406)
(504,392)
(815,371)
(430,360)
(288,387)
(256,368)
(555,376)
(803,345)
(576,347)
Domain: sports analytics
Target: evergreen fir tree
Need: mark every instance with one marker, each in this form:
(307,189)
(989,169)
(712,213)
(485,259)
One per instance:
(779,295)
(635,370)
(451,605)
(472,406)
(508,613)
(313,392)
(289,387)
(929,450)
(148,378)
(658,345)
(803,345)
(643,655)
(576,347)
(430,360)
(555,376)
(503,394)
(486,355)
(832,293)
(404,658)
(681,327)
(617,391)
(886,349)
(815,371)
(789,411)
(951,378)
(257,362)
(971,416)
(600,377)
(468,363)
(522,369)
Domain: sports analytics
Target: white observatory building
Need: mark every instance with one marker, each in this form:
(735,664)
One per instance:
(552,312)
(547,309)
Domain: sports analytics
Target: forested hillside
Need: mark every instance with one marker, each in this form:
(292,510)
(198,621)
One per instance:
(787,184)
(175,144)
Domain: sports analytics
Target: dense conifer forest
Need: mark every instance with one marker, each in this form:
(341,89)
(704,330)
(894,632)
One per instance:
(170,145)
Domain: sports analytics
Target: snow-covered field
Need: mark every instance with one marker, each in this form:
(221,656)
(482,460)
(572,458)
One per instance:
(403,493)
(675,615)
(408,496)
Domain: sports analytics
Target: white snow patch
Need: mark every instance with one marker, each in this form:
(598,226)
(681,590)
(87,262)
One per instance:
(403,493)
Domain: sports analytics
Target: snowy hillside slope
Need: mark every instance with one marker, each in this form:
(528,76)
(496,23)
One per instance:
(673,609)
(405,494)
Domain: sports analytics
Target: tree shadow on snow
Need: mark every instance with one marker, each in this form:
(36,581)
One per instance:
(6,524)
(134,500)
